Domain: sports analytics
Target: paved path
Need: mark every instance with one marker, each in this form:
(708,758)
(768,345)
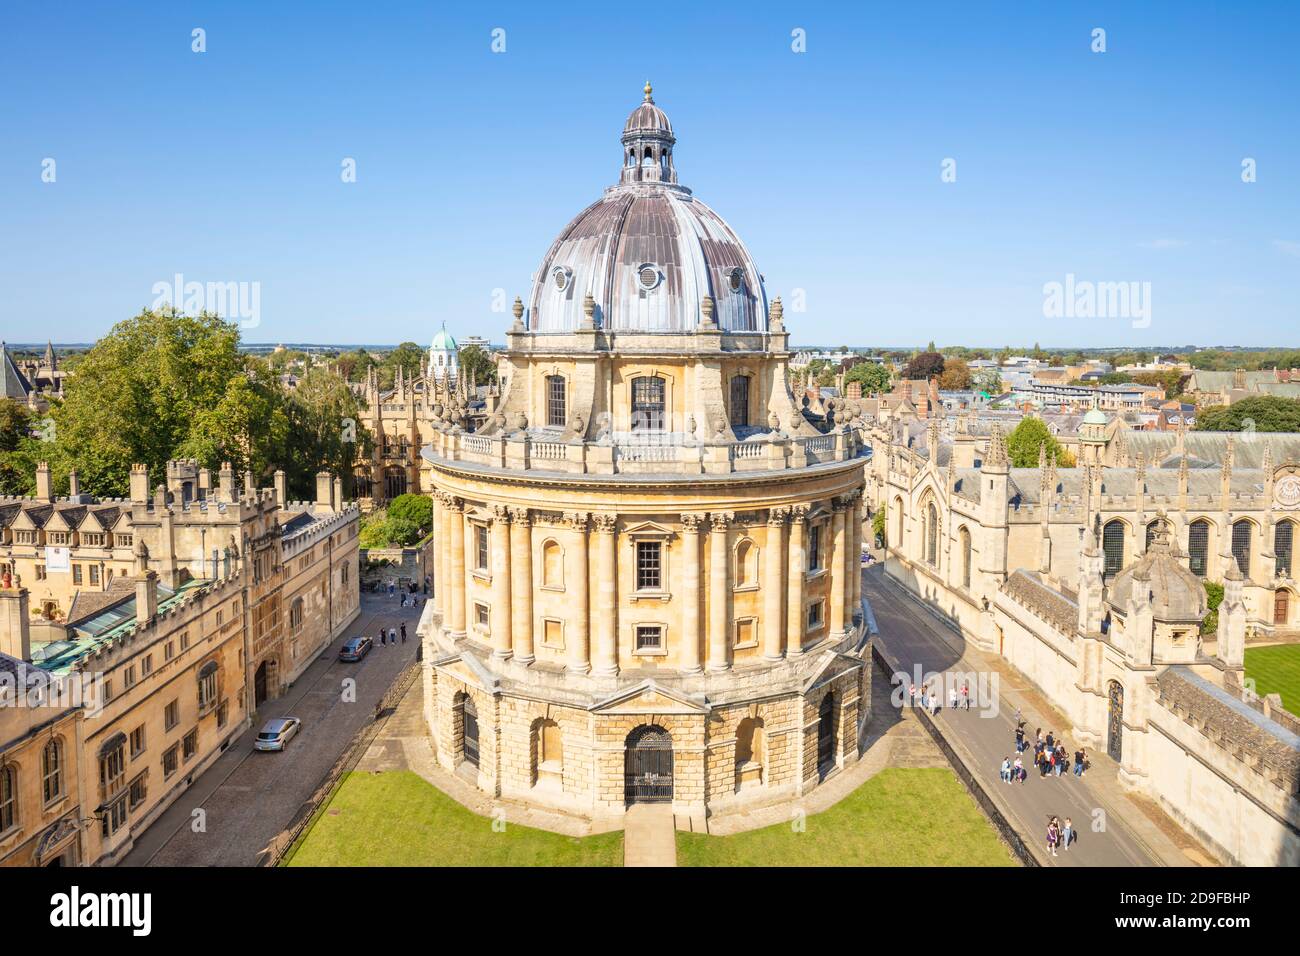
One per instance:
(249,797)
(1129,838)
(649,835)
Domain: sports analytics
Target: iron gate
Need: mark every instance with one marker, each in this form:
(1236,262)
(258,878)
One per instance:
(826,731)
(471,732)
(1115,723)
(648,766)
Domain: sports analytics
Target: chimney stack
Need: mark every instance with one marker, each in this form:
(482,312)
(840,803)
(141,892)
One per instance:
(74,485)
(140,484)
(205,483)
(15,623)
(323,489)
(338,494)
(146,597)
(226,483)
(250,489)
(44,491)
(281,495)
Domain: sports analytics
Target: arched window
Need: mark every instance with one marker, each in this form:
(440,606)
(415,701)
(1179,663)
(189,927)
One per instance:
(556,404)
(8,798)
(931,535)
(1283,535)
(649,158)
(1152,528)
(1112,546)
(548,751)
(1198,546)
(552,564)
(750,751)
(51,771)
(964,537)
(739,400)
(295,616)
(1241,546)
(208,686)
(648,403)
(746,563)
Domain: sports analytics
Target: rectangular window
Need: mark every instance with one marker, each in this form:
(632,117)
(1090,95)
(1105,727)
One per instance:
(648,566)
(139,791)
(112,771)
(94,574)
(190,744)
(170,760)
(146,665)
(76,574)
(129,677)
(185,640)
(169,651)
(114,817)
(556,413)
(172,715)
(223,713)
(649,637)
(481,615)
(481,551)
(1282,544)
(40,572)
(137,741)
(739,400)
(648,403)
(814,615)
(553,634)
(815,547)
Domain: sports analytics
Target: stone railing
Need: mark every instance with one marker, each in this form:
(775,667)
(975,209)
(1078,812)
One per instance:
(670,455)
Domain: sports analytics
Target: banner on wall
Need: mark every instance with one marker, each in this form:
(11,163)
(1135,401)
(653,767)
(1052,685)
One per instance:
(58,559)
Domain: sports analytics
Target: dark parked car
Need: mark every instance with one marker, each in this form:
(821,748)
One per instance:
(355,648)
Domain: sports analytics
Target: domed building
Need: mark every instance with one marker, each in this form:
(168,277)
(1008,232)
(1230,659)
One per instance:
(647,561)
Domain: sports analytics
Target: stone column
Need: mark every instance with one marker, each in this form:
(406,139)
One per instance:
(774,561)
(499,559)
(794,613)
(443,586)
(435,571)
(521,584)
(606,656)
(837,570)
(690,653)
(576,636)
(456,589)
(854,558)
(719,592)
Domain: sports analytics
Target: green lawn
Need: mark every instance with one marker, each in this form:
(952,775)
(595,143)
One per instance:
(1276,670)
(900,817)
(399,819)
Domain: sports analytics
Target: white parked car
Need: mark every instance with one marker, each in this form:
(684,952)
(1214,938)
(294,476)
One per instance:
(275,733)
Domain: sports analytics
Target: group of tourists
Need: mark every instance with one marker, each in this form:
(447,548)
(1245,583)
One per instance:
(390,636)
(1051,757)
(931,699)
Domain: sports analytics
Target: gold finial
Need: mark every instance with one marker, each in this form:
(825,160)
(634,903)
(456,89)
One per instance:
(648,91)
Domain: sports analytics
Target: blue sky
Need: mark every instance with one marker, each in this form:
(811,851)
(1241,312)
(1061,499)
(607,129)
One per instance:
(224,166)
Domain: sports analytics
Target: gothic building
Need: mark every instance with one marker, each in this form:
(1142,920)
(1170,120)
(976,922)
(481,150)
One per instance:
(647,562)
(1090,580)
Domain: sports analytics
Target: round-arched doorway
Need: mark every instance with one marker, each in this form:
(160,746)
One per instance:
(648,766)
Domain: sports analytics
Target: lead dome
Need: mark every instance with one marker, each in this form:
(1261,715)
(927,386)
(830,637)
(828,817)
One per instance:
(648,252)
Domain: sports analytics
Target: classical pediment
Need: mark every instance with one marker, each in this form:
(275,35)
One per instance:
(649,697)
(470,670)
(834,665)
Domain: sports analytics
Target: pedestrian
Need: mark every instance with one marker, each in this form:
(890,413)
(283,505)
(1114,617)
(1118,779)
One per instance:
(1062,759)
(403,632)
(1067,834)
(952,698)
(934,703)
(911,694)
(1006,770)
(1078,762)
(1020,720)
(1053,835)
(1020,740)
(965,694)
(1083,763)
(392,635)
(381,637)
(1050,739)
(1018,770)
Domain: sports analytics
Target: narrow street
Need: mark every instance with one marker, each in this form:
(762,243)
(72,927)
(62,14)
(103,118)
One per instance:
(914,637)
(248,796)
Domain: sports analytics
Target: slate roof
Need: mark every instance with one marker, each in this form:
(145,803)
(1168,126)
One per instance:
(13,384)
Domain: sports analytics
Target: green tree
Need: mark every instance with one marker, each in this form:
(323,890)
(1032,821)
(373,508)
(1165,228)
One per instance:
(150,390)
(874,378)
(408,356)
(956,375)
(354,365)
(478,365)
(1213,598)
(1262,413)
(1027,438)
(416,509)
(325,430)
(19,449)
